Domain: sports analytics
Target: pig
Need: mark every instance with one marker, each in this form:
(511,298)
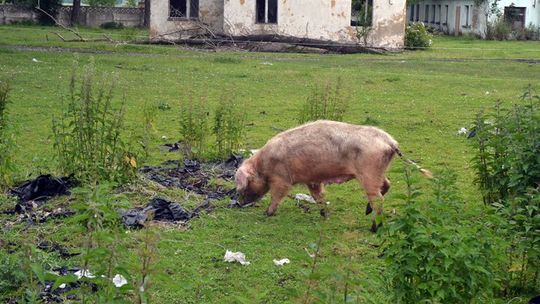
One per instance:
(316,154)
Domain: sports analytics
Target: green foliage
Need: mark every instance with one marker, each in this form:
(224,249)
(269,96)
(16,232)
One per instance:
(507,164)
(531,32)
(106,3)
(12,274)
(325,102)
(7,141)
(229,125)
(88,135)
(132,3)
(417,36)
(498,29)
(435,253)
(194,120)
(112,25)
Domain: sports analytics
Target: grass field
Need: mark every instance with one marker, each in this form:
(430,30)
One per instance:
(422,98)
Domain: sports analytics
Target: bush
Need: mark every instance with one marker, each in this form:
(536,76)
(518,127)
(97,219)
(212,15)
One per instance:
(498,29)
(436,253)
(417,36)
(112,25)
(507,166)
(229,125)
(87,136)
(325,102)
(532,32)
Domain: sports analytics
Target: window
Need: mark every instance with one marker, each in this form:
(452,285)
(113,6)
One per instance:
(417,12)
(184,9)
(426,14)
(361,12)
(433,13)
(266,11)
(467,8)
(411,17)
(440,14)
(446,16)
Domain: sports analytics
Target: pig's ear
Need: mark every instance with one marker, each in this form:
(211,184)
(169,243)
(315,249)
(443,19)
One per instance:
(242,177)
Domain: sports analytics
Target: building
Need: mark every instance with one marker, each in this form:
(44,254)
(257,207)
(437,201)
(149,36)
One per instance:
(458,17)
(373,23)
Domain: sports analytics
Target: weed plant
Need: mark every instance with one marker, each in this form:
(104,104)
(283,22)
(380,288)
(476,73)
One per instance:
(436,253)
(507,164)
(194,124)
(87,135)
(229,125)
(6,139)
(325,102)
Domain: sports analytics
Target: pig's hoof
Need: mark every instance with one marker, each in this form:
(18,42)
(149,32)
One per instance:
(374,227)
(368,209)
(270,212)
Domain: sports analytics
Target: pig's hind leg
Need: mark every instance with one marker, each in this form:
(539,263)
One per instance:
(374,187)
(278,191)
(317,191)
(385,187)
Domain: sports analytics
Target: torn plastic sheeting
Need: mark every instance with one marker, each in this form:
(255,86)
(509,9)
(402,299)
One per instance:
(42,188)
(235,257)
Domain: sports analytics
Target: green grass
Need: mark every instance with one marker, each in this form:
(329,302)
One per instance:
(422,98)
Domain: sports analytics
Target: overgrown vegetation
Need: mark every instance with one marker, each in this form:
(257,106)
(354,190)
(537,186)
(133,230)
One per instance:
(229,125)
(88,134)
(194,124)
(508,175)
(328,101)
(6,138)
(434,243)
(417,36)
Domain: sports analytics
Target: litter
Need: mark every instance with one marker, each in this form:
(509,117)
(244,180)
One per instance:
(235,257)
(305,198)
(40,190)
(462,131)
(84,273)
(281,262)
(119,280)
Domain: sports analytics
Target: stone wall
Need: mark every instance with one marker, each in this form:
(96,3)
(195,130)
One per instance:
(89,16)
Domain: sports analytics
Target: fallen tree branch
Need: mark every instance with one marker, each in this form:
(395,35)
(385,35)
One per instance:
(61,25)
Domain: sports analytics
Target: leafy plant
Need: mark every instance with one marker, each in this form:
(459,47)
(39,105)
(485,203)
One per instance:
(229,125)
(417,36)
(88,135)
(507,173)
(325,102)
(12,274)
(194,119)
(435,254)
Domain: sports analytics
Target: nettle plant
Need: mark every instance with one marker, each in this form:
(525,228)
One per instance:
(327,101)
(88,134)
(229,125)
(194,124)
(436,252)
(6,138)
(507,164)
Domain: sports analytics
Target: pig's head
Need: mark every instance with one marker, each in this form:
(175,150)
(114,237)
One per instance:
(249,184)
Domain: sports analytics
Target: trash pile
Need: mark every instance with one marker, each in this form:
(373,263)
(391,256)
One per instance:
(35,192)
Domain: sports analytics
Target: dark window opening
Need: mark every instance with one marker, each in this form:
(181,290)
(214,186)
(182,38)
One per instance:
(362,12)
(515,16)
(440,14)
(417,12)
(267,11)
(411,17)
(184,9)
(433,13)
(446,16)
(426,14)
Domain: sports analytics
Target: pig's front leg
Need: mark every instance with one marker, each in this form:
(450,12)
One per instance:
(278,190)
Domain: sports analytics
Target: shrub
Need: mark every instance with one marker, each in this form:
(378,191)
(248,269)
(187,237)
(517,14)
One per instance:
(194,119)
(12,274)
(229,125)
(499,29)
(112,25)
(417,36)
(325,102)
(437,254)
(507,144)
(6,138)
(87,136)
(532,32)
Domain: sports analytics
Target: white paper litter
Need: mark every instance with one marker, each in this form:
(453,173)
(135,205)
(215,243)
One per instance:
(119,280)
(281,262)
(62,286)
(84,273)
(304,197)
(235,257)
(462,131)
(266,63)
(35,60)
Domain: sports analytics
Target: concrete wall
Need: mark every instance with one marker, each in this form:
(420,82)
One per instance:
(89,16)
(163,27)
(13,14)
(319,19)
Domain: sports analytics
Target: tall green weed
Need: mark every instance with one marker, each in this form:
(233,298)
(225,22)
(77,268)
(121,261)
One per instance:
(328,101)
(6,139)
(194,124)
(229,125)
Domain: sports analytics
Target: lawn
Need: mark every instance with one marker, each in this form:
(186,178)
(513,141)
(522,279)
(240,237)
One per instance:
(422,98)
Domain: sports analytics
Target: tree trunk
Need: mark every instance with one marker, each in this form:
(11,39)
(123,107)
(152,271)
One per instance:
(75,10)
(146,13)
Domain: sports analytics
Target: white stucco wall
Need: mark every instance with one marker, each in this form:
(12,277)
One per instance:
(319,19)
(210,14)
